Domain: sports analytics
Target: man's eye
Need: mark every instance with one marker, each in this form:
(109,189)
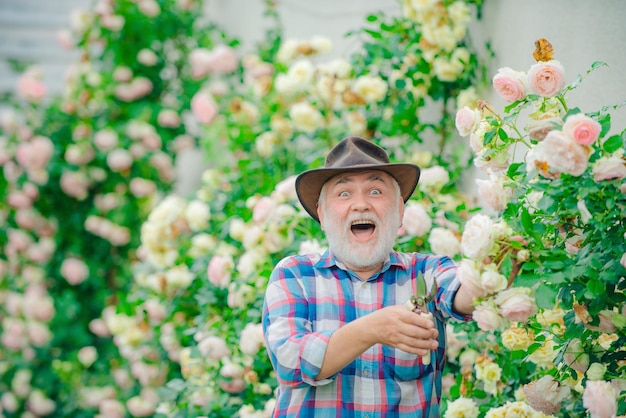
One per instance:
(376,191)
(343,194)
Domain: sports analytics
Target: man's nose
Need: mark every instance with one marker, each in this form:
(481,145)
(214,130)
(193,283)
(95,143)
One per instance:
(361,202)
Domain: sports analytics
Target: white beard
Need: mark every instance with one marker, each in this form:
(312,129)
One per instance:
(362,254)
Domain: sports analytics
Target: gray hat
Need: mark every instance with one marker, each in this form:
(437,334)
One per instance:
(350,155)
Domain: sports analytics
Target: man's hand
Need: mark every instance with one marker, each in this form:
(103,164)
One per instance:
(399,327)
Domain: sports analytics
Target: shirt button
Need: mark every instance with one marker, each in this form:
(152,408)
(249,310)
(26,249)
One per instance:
(364,285)
(366,373)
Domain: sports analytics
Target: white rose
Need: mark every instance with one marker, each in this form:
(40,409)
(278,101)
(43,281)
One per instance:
(251,339)
(443,242)
(493,192)
(462,408)
(477,240)
(491,279)
(416,220)
(371,89)
(197,215)
(434,178)
(306,117)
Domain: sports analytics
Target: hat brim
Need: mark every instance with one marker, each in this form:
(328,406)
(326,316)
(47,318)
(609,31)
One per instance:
(309,183)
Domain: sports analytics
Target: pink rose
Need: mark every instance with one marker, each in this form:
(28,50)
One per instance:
(149,8)
(493,192)
(582,129)
(467,120)
(64,38)
(538,128)
(487,317)
(168,118)
(30,86)
(600,399)
(38,305)
(218,270)
(607,168)
(119,160)
(19,200)
(509,84)
(224,60)
(546,394)
(36,153)
(75,271)
(105,139)
(75,184)
(141,187)
(469,277)
(200,61)
(564,155)
(213,348)
(516,304)
(546,79)
(263,209)
(39,334)
(204,107)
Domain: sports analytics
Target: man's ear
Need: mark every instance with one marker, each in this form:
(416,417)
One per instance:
(320,215)
(401,210)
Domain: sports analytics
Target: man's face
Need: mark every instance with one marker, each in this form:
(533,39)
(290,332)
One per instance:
(360,213)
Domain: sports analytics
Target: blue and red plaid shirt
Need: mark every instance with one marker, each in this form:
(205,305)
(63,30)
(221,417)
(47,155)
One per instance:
(310,296)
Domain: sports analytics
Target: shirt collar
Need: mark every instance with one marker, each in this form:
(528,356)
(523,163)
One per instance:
(328,260)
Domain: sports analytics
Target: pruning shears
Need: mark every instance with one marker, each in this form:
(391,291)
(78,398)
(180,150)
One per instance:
(419,303)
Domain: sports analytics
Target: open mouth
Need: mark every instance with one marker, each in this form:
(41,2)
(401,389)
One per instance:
(362,229)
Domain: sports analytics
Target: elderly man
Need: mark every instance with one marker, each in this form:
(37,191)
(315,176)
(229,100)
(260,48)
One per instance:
(338,331)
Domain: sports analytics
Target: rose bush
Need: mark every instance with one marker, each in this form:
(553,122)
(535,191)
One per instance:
(80,174)
(557,235)
(198,289)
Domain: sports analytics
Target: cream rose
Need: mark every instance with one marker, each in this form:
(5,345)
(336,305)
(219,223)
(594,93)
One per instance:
(564,155)
(514,338)
(600,399)
(462,408)
(607,168)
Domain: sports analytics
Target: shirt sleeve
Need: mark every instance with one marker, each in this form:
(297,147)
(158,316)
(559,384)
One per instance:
(443,270)
(296,351)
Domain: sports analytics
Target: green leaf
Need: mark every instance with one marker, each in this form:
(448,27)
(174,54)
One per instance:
(489,135)
(546,296)
(596,287)
(613,143)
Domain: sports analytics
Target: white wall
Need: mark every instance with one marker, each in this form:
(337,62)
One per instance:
(581,31)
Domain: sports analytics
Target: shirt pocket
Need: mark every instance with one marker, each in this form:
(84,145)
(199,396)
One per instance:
(403,366)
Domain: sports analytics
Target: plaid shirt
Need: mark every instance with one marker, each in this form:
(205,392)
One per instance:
(310,296)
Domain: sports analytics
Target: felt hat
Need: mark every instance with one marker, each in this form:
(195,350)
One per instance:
(350,155)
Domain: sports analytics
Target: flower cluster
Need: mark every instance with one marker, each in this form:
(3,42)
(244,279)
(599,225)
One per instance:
(548,273)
